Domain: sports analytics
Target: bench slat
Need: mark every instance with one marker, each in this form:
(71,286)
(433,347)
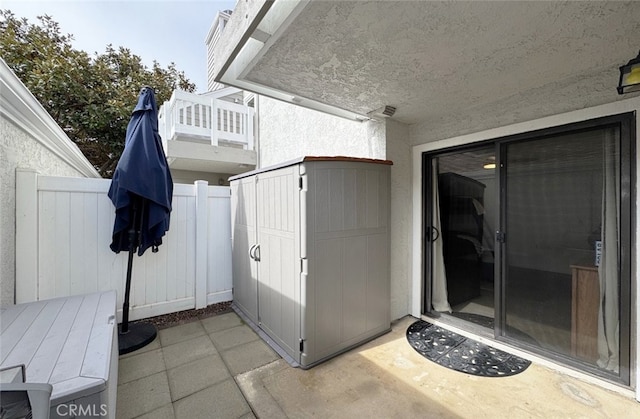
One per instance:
(7,317)
(15,330)
(44,361)
(73,353)
(75,388)
(32,330)
(96,363)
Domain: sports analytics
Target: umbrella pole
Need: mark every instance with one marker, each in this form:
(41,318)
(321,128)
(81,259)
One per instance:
(133,245)
(139,334)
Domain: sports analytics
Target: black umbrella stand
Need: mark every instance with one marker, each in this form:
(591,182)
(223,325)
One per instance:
(135,335)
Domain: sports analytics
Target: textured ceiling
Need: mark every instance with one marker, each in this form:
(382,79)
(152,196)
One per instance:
(435,59)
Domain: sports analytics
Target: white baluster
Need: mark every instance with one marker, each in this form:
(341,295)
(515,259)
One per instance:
(214,122)
(249,133)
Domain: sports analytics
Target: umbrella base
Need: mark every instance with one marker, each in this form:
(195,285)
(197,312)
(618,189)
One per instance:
(138,336)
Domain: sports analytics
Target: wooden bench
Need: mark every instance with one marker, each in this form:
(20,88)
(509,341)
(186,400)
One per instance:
(70,343)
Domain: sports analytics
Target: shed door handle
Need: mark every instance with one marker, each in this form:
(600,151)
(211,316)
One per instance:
(254,252)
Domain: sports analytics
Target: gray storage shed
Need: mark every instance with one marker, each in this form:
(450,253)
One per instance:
(311,254)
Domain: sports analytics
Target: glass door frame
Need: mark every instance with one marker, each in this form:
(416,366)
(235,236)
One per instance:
(429,234)
(626,123)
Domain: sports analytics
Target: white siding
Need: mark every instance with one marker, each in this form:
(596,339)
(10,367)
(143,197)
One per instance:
(211,41)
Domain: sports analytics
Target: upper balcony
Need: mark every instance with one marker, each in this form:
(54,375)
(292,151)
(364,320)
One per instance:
(211,133)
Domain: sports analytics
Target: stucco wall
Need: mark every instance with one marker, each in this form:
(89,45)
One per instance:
(399,151)
(288,131)
(19,150)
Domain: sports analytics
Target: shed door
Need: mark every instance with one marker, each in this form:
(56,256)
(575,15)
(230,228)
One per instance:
(279,257)
(245,270)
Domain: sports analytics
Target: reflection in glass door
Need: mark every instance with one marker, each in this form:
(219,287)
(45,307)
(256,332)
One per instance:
(562,246)
(464,189)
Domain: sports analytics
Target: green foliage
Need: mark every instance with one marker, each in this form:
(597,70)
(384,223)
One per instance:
(91,98)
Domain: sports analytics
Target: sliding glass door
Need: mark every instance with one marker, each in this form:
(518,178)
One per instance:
(464,191)
(529,237)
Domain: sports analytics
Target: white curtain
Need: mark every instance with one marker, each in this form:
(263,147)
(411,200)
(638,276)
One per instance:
(439,298)
(608,311)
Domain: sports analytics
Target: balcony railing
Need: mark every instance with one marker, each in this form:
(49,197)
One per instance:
(196,117)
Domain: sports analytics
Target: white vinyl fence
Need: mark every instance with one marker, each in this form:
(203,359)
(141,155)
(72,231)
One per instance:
(63,232)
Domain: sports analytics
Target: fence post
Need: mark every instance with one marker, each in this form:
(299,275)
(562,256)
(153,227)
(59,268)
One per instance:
(26,236)
(202,245)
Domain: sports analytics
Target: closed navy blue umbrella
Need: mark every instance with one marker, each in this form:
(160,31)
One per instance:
(141,191)
(142,174)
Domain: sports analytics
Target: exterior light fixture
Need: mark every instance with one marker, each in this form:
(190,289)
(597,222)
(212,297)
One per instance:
(630,76)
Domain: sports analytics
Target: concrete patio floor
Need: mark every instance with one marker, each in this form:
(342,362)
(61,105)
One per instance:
(219,368)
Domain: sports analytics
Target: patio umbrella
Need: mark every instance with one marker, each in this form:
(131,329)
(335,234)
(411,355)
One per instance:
(141,191)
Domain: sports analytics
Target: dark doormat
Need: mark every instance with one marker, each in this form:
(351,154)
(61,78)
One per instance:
(459,353)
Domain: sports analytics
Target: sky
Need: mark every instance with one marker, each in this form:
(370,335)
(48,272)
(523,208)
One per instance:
(162,30)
